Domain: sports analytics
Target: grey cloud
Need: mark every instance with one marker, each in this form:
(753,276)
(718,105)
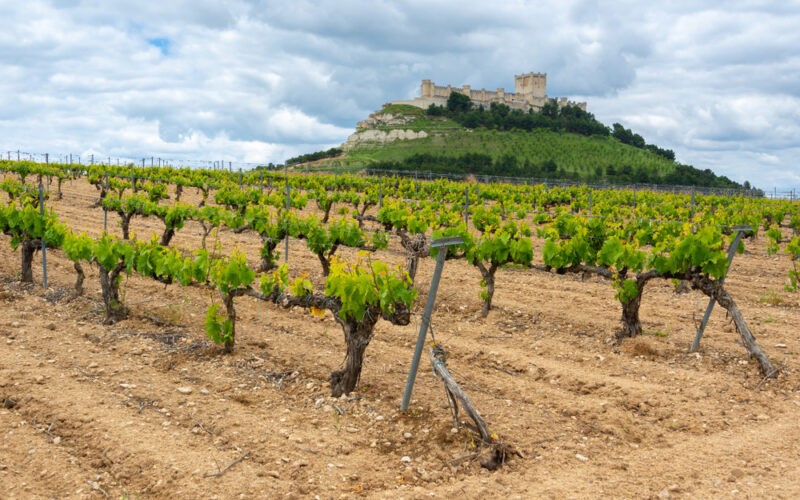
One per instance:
(276,79)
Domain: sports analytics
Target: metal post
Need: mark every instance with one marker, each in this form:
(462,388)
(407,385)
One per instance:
(691,215)
(288,207)
(105,210)
(466,206)
(380,193)
(442,243)
(44,244)
(740,230)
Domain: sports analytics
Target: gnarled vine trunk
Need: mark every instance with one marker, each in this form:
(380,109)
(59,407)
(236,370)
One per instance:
(416,246)
(230,311)
(166,236)
(357,335)
(109,285)
(28,249)
(267,254)
(79,279)
(126,224)
(631,325)
(488,277)
(325,260)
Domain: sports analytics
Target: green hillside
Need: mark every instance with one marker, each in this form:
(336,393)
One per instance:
(554,143)
(586,156)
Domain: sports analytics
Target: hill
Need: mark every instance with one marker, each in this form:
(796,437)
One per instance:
(554,143)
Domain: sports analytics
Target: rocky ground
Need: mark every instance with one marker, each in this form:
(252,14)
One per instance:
(148,407)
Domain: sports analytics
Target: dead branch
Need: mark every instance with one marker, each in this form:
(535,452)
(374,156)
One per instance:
(226,469)
(438,356)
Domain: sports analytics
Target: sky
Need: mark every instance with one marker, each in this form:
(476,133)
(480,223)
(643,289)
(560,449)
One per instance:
(260,81)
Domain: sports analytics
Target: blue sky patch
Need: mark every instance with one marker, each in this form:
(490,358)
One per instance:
(162,44)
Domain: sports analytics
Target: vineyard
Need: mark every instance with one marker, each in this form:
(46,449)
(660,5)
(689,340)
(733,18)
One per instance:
(208,333)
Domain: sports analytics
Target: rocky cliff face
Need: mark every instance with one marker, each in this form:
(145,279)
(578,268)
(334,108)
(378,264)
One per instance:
(381,137)
(368,131)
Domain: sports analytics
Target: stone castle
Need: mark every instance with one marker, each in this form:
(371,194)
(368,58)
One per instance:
(530,91)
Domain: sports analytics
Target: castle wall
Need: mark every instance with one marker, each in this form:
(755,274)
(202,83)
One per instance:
(530,91)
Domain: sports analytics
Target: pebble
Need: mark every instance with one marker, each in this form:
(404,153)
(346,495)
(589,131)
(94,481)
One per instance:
(203,391)
(273,473)
(405,459)
(128,386)
(780,346)
(39,379)
(185,390)
(407,435)
(581,457)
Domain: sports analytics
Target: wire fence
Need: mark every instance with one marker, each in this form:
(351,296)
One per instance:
(148,161)
(791,194)
(233,165)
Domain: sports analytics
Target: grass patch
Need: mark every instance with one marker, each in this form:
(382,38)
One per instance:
(771,298)
(585,156)
(401,109)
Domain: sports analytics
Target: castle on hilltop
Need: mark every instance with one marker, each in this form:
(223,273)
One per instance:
(530,91)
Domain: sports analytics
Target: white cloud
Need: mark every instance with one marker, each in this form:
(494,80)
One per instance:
(265,80)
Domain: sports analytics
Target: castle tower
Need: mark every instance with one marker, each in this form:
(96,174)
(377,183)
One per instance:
(531,86)
(427,89)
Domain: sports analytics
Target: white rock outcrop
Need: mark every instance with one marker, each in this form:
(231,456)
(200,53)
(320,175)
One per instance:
(372,136)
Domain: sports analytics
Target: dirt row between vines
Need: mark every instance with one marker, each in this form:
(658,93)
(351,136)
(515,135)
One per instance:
(148,407)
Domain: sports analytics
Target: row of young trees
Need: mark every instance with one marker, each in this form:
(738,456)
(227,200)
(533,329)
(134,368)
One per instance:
(500,116)
(509,165)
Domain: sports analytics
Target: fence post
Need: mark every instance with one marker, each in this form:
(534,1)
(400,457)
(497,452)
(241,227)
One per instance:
(288,207)
(105,210)
(740,230)
(442,244)
(44,244)
(466,206)
(590,202)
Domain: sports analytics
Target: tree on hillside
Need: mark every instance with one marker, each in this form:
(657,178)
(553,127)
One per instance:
(458,103)
(550,109)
